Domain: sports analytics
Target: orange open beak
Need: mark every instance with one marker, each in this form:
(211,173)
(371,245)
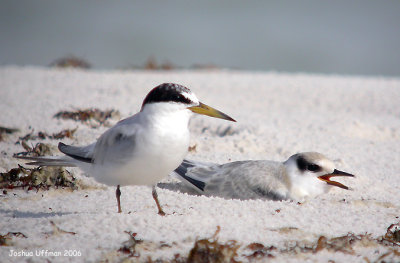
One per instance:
(327,178)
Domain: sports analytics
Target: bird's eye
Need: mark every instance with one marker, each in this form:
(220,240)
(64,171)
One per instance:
(313,168)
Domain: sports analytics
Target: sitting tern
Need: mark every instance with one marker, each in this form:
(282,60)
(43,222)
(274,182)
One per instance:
(141,149)
(302,175)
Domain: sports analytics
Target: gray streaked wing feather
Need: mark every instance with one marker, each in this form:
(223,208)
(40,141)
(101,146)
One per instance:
(116,144)
(241,180)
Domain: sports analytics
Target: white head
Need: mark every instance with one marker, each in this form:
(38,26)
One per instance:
(172,97)
(310,174)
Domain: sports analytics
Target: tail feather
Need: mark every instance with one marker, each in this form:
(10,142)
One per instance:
(48,161)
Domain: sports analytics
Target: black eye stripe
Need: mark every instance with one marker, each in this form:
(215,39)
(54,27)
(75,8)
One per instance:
(167,92)
(301,164)
(304,165)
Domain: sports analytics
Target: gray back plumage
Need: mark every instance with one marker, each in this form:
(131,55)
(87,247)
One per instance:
(239,180)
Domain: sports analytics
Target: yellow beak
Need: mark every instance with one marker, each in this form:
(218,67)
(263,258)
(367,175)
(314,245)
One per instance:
(209,111)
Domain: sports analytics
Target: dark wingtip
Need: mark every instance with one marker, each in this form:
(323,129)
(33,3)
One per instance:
(199,184)
(182,170)
(61,146)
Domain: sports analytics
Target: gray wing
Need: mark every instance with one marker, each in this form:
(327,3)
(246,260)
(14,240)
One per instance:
(118,143)
(114,145)
(114,142)
(239,180)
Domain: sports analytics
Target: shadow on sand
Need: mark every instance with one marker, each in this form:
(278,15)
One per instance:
(178,187)
(22,214)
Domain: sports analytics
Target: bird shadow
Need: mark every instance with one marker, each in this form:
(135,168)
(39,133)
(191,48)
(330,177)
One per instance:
(178,187)
(26,214)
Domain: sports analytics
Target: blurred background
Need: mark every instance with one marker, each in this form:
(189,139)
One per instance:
(335,37)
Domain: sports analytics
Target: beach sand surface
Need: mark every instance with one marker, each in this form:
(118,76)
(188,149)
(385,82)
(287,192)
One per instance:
(353,120)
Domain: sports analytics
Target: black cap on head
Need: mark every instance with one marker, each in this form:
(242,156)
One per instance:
(167,92)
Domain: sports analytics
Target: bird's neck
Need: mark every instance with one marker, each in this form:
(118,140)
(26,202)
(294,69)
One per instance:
(307,187)
(166,117)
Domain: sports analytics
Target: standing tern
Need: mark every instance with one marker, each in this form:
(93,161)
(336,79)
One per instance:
(302,175)
(141,149)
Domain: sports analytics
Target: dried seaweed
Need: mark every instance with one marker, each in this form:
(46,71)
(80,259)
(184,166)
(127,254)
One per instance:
(4,130)
(210,250)
(8,130)
(68,133)
(40,149)
(63,134)
(391,252)
(392,236)
(129,247)
(37,178)
(134,246)
(259,251)
(205,250)
(70,62)
(342,244)
(5,240)
(92,117)
(151,64)
(345,244)
(192,148)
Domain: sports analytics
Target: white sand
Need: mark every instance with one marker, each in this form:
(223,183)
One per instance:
(353,120)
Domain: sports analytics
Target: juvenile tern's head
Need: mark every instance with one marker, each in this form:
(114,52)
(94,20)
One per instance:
(310,173)
(176,97)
